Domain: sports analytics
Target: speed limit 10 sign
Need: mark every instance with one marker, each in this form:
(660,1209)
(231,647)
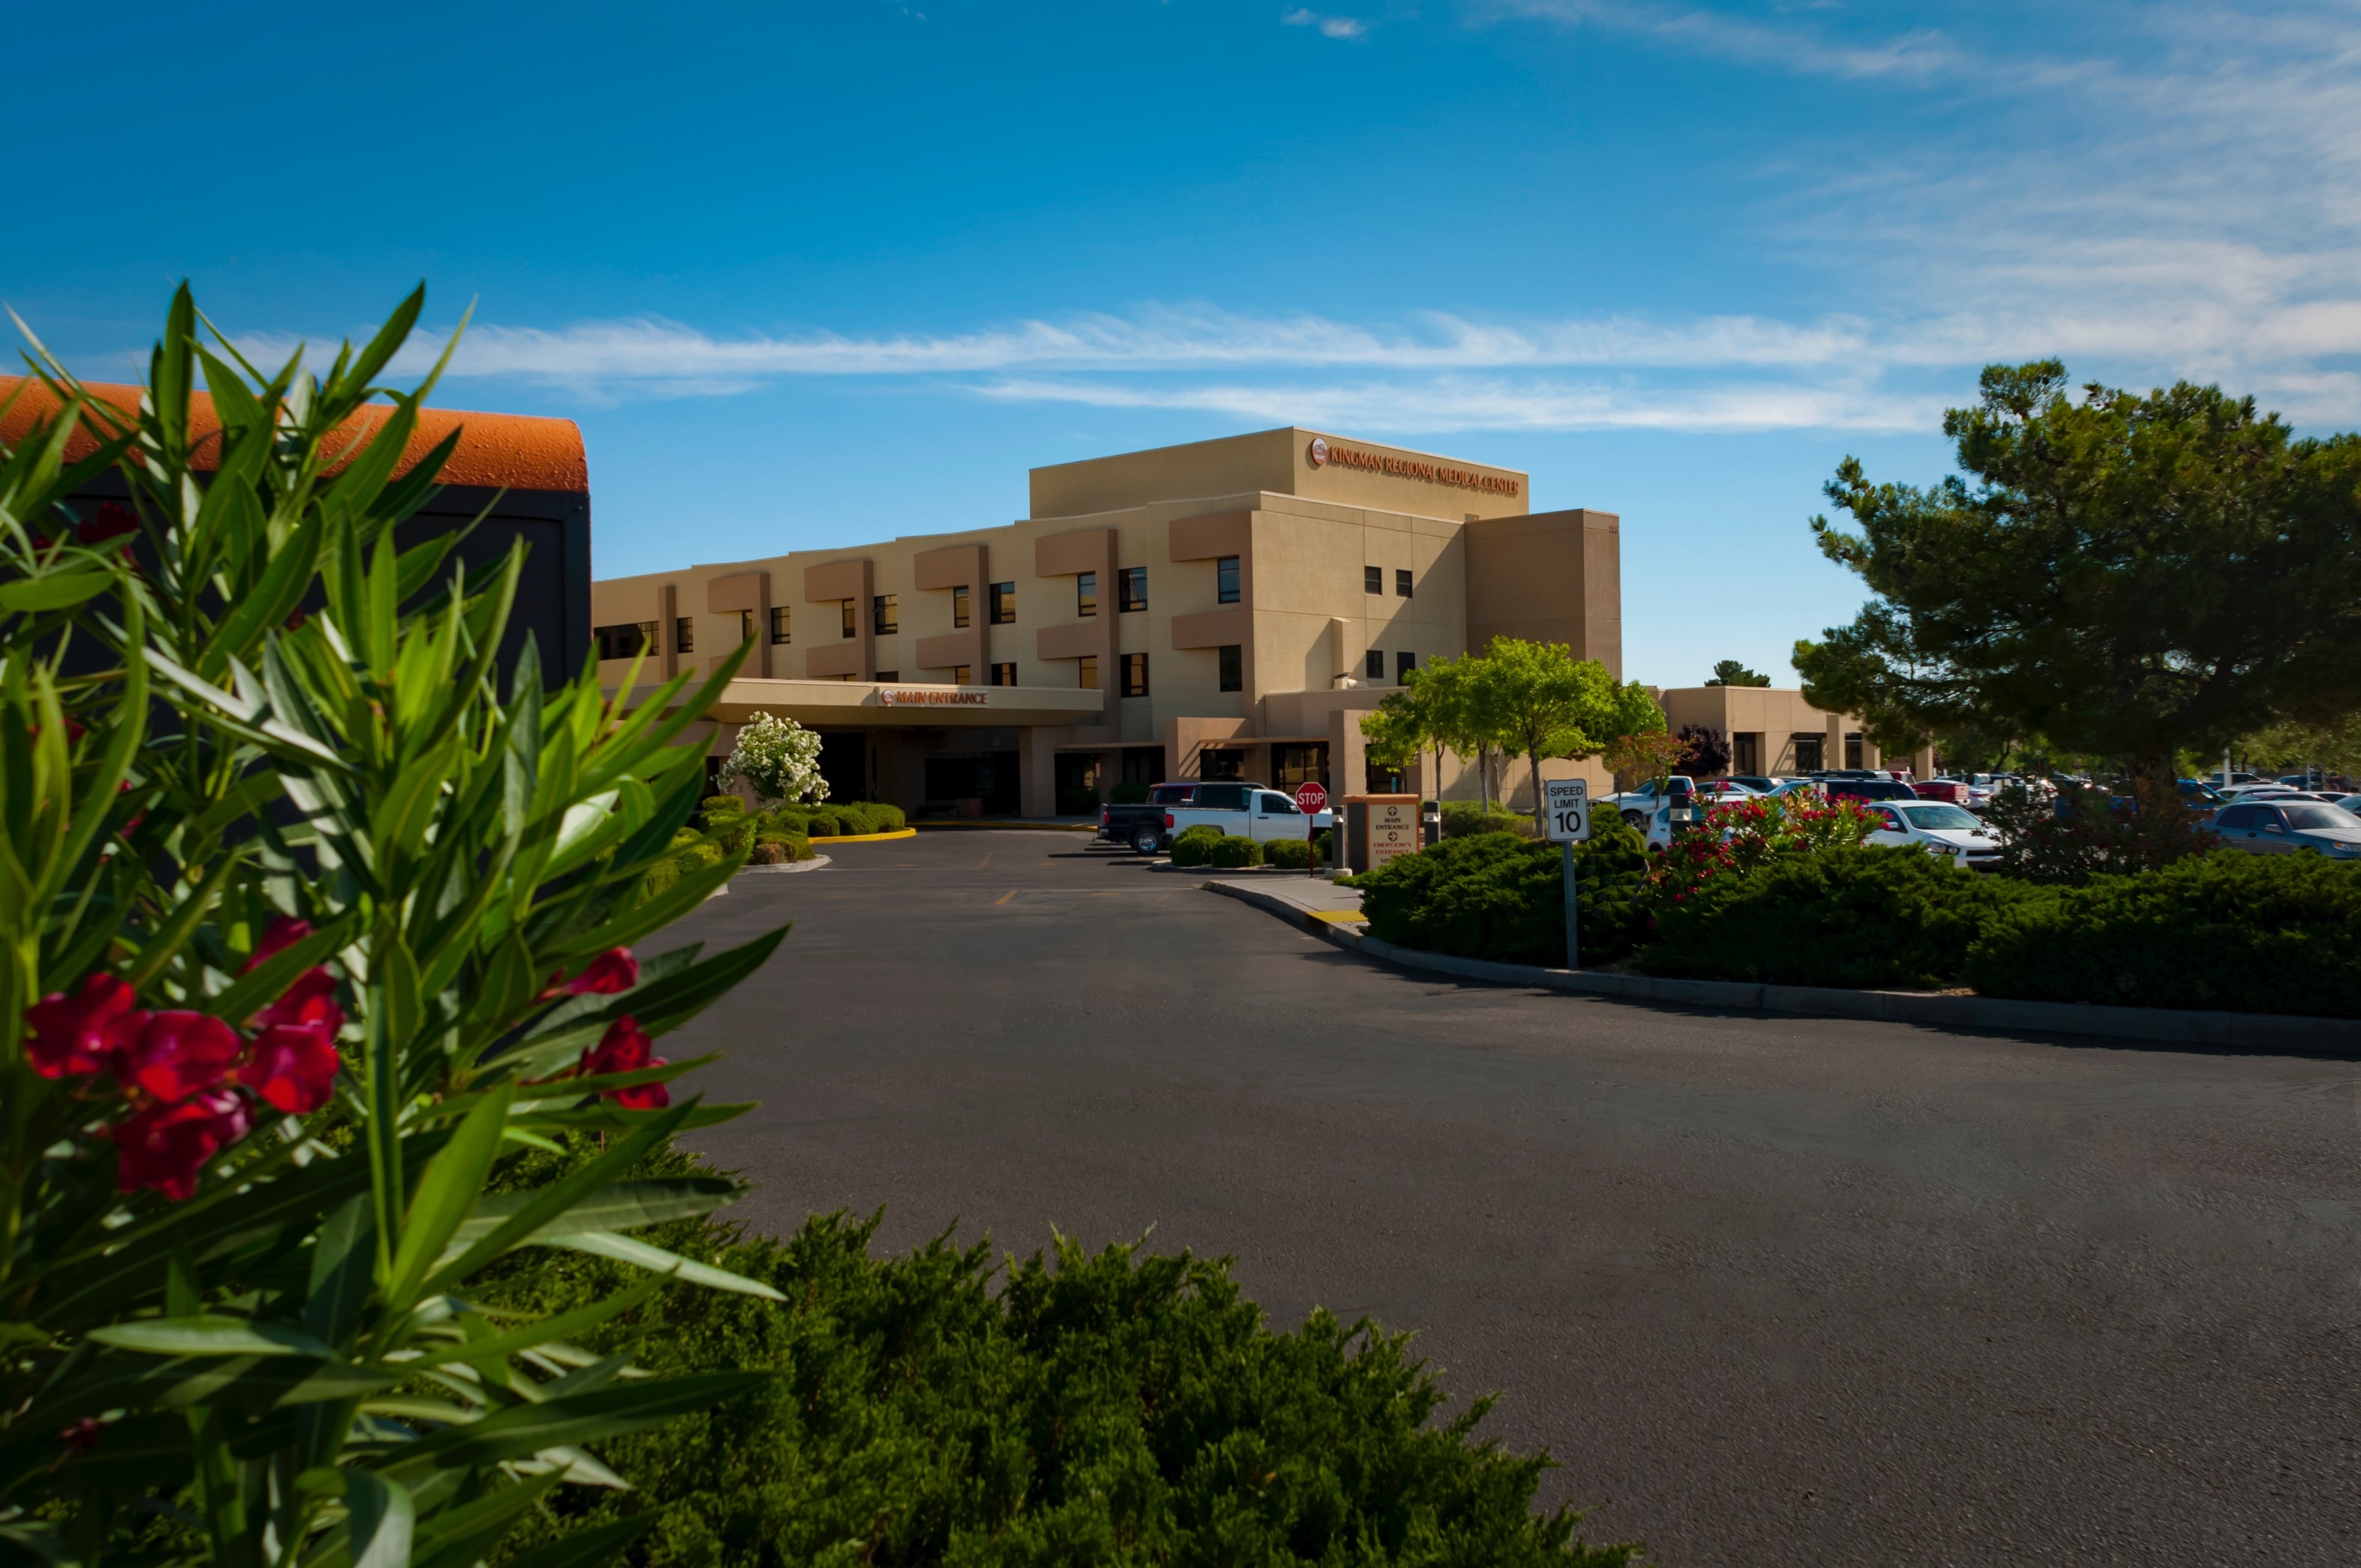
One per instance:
(1566,804)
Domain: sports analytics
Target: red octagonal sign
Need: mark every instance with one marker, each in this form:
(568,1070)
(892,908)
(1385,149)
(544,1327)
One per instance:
(1310,798)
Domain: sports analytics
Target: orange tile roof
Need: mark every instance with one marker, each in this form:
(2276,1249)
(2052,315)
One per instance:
(516,451)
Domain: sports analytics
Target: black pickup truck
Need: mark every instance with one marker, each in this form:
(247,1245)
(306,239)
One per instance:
(1142,826)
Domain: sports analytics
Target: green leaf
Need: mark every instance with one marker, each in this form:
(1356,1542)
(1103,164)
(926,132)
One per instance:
(210,1335)
(536,1208)
(59,590)
(540,1332)
(626,1249)
(382,1521)
(447,1194)
(523,1430)
(617,1206)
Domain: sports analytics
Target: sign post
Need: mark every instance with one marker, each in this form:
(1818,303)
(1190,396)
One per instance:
(1311,799)
(1567,806)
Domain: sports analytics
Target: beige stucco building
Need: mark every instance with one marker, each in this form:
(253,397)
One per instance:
(1224,608)
(1774,730)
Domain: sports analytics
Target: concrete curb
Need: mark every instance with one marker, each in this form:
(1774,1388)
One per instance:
(2275,1032)
(787,869)
(863,838)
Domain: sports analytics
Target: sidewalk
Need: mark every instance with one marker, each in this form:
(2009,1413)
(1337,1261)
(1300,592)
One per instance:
(1316,896)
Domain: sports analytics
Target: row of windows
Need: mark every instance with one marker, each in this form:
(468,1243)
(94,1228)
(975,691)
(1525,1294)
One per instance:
(885,619)
(1373,580)
(1373,665)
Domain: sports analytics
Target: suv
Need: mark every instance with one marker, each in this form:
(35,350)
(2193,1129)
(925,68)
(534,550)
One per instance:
(1871,787)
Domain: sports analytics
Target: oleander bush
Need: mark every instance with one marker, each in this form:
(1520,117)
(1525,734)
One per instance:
(1868,915)
(1231,853)
(1501,896)
(313,918)
(2237,932)
(1116,1406)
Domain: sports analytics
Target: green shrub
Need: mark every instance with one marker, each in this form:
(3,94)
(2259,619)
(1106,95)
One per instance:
(1232,853)
(1127,794)
(1465,818)
(1871,916)
(820,825)
(1117,1407)
(1503,897)
(1294,853)
(2242,933)
(789,818)
(796,845)
(719,805)
(1194,845)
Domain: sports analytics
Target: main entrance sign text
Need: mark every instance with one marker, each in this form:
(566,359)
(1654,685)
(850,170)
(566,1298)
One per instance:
(1325,452)
(939,696)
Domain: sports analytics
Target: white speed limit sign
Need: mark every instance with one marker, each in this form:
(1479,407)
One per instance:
(1568,809)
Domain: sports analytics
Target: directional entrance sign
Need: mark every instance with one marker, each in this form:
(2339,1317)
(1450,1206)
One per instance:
(1567,804)
(1310,796)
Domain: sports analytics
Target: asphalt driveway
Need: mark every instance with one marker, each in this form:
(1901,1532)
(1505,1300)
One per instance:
(1771,1290)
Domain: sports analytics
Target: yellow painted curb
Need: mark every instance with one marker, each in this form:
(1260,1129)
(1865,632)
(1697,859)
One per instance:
(1339,917)
(866,838)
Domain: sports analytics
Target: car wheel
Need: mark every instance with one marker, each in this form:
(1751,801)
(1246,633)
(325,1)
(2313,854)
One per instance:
(1636,819)
(1144,841)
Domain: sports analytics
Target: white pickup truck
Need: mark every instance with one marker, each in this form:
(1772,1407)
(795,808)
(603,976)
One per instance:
(1241,811)
(1638,805)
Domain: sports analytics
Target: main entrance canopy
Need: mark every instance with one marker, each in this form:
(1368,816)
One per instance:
(897,705)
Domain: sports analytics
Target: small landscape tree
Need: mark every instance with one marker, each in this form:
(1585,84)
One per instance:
(777,758)
(1537,700)
(1730,672)
(1705,751)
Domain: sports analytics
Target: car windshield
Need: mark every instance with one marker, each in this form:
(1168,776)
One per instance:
(1934,817)
(2304,815)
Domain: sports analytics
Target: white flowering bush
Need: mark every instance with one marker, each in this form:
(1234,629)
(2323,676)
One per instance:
(779,761)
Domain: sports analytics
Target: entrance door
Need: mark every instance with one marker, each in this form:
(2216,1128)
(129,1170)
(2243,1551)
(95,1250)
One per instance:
(844,763)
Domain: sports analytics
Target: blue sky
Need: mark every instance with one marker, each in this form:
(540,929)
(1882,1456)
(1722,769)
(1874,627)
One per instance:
(814,274)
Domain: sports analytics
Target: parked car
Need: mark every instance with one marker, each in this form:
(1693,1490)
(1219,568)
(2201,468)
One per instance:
(2351,802)
(1866,789)
(1638,805)
(1720,792)
(1955,791)
(1760,783)
(1138,824)
(1938,828)
(1240,811)
(2288,827)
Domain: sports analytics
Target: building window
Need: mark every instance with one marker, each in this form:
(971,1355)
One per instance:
(1746,754)
(1135,674)
(852,623)
(1405,663)
(1852,750)
(885,614)
(889,674)
(1402,585)
(1132,584)
(1004,604)
(1225,580)
(1086,593)
(1233,659)
(745,625)
(962,674)
(626,640)
(1003,674)
(684,634)
(1373,579)
(1296,764)
(1374,664)
(779,624)
(1808,749)
(1215,764)
(959,609)
(1087,672)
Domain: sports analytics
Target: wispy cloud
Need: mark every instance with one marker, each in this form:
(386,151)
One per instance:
(1916,53)
(1330,27)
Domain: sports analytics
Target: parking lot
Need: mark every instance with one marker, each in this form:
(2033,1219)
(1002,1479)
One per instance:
(1771,1290)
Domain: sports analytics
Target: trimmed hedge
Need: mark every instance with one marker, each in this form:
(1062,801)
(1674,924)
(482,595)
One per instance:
(1878,916)
(1194,844)
(1465,818)
(1294,853)
(1231,853)
(1500,896)
(2237,932)
(1113,1408)
(849,819)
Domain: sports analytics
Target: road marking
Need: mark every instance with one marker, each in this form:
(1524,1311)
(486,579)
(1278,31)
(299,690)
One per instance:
(1005,897)
(1339,917)
(986,862)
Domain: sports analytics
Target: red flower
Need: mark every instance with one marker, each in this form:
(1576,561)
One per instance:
(643,1096)
(309,1001)
(283,933)
(112,521)
(623,1049)
(84,1435)
(293,1067)
(81,1034)
(166,1146)
(613,971)
(178,1054)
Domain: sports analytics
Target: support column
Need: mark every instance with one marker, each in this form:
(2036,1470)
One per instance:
(1832,757)
(1036,770)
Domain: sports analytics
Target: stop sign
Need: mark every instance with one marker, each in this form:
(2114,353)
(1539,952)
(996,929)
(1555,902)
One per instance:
(1310,798)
